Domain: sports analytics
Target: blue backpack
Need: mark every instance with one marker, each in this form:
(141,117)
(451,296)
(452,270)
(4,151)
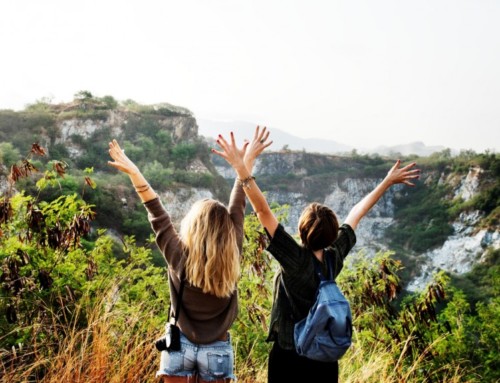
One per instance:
(326,333)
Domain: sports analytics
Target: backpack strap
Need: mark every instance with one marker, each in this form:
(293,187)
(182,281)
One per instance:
(329,268)
(319,273)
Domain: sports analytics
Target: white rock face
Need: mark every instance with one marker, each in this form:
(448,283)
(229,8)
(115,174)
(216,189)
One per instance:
(469,186)
(461,251)
(372,227)
(84,129)
(226,172)
(181,128)
(179,202)
(467,246)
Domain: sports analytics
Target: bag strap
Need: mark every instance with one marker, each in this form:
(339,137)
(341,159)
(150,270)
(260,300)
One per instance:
(289,298)
(319,272)
(179,299)
(329,268)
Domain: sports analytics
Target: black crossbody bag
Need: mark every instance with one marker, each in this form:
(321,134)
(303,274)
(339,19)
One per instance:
(172,339)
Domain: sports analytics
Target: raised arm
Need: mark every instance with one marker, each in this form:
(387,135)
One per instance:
(396,175)
(242,161)
(124,164)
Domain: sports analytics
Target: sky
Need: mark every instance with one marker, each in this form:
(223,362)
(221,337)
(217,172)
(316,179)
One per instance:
(362,73)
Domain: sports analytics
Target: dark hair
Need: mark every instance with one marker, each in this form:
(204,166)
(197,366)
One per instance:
(318,226)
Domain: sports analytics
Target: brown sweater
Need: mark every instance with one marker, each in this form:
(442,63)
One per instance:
(204,318)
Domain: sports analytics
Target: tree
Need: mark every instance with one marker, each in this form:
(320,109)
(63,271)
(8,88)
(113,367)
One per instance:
(9,155)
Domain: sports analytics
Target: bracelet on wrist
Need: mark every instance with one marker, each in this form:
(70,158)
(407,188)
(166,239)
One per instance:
(245,183)
(142,188)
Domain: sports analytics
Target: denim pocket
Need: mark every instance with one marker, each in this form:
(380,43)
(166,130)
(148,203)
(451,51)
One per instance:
(219,365)
(172,361)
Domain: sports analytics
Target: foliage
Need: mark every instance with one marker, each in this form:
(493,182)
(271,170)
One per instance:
(55,292)
(23,128)
(423,219)
(83,289)
(482,283)
(8,153)
(78,311)
(95,146)
(431,335)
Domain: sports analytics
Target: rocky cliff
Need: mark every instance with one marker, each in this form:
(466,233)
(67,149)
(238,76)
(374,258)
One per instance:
(467,246)
(296,179)
(181,127)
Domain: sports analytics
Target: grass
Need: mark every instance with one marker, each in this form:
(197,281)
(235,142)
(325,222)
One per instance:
(117,346)
(99,353)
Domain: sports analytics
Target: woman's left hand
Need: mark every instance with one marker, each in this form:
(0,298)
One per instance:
(248,153)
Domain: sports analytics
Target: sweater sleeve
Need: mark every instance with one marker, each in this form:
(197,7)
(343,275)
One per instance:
(236,209)
(167,238)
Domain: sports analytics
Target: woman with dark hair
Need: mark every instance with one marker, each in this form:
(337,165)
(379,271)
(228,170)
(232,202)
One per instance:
(322,237)
(207,252)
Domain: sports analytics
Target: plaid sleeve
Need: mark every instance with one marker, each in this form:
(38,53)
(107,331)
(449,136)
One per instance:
(285,250)
(346,240)
(341,247)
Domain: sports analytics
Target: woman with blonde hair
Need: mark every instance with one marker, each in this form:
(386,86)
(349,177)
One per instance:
(206,251)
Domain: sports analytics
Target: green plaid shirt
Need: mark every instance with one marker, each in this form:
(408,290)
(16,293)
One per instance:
(297,272)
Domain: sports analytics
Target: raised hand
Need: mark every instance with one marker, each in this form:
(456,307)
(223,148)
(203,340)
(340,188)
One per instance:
(246,155)
(396,175)
(121,161)
(230,151)
(256,146)
(404,175)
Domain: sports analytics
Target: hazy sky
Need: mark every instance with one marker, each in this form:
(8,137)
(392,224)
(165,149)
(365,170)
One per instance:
(363,73)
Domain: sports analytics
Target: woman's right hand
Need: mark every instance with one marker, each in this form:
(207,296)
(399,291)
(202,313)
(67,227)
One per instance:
(120,159)
(256,147)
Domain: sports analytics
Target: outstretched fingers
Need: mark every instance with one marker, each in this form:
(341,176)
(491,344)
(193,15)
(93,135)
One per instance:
(410,174)
(228,149)
(409,166)
(260,140)
(120,159)
(115,150)
(222,152)
(404,174)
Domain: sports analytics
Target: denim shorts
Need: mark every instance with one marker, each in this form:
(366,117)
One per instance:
(210,361)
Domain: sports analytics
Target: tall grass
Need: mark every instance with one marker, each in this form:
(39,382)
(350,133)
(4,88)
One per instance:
(362,364)
(109,338)
(115,347)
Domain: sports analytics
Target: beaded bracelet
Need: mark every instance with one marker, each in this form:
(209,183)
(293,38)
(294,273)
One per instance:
(245,183)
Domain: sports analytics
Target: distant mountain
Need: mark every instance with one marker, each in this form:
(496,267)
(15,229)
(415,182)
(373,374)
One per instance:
(282,140)
(418,148)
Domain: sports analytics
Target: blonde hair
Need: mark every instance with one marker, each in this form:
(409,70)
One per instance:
(213,257)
